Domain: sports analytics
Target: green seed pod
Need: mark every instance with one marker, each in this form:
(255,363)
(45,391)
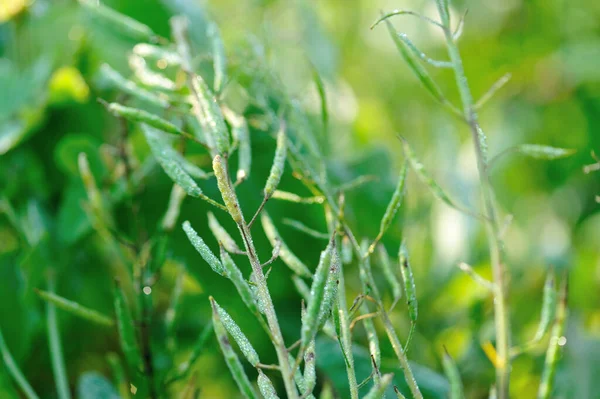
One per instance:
(456,387)
(298,377)
(75,308)
(266,387)
(147,76)
(219,61)
(346,250)
(126,328)
(278,163)
(239,130)
(409,283)
(548,307)
(118,22)
(331,287)
(238,336)
(317,293)
(170,163)
(285,254)
(557,341)
(236,277)
(14,371)
(175,200)
(305,229)
(209,114)
(388,273)
(537,151)
(310,375)
(129,87)
(398,393)
(378,391)
(156,53)
(227,192)
(231,358)
(203,249)
(301,287)
(141,116)
(285,196)
(222,235)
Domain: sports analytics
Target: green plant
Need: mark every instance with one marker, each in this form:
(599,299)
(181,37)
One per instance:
(176,108)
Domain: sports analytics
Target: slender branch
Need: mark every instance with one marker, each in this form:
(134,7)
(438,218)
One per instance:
(492,229)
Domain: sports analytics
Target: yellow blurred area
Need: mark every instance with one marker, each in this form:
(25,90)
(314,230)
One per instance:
(66,85)
(456,340)
(11,8)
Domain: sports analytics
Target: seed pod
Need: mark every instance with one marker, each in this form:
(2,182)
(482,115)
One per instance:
(537,151)
(156,53)
(398,393)
(378,390)
(389,274)
(317,294)
(235,275)
(456,387)
(285,254)
(75,308)
(548,307)
(310,375)
(305,229)
(301,287)
(118,22)
(147,76)
(557,341)
(14,371)
(239,130)
(141,116)
(129,87)
(278,163)
(227,192)
(238,336)
(219,62)
(409,283)
(392,208)
(285,196)
(203,249)
(169,162)
(266,387)
(222,235)
(346,250)
(331,287)
(126,328)
(298,377)
(209,114)
(175,200)
(231,358)
(368,286)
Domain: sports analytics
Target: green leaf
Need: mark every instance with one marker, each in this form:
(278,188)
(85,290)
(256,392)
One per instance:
(75,308)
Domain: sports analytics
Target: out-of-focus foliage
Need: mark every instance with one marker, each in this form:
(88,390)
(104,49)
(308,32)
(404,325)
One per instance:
(49,61)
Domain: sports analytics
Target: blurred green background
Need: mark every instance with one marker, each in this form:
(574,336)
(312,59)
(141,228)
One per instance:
(49,57)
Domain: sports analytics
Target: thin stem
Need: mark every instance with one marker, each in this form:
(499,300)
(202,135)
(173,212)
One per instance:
(495,244)
(56,352)
(260,208)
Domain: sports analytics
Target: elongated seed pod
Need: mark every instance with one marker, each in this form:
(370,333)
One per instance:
(548,307)
(156,53)
(210,116)
(147,76)
(285,254)
(129,87)
(378,390)
(227,192)
(203,249)
(175,201)
(239,130)
(76,309)
(369,286)
(286,196)
(222,235)
(169,162)
(557,341)
(310,375)
(346,250)
(236,277)
(399,394)
(125,324)
(218,53)
(301,287)
(388,273)
(231,358)
(238,336)
(14,371)
(141,116)
(298,377)
(331,286)
(392,207)
(456,387)
(267,390)
(118,22)
(278,162)
(305,229)
(546,152)
(317,293)
(409,284)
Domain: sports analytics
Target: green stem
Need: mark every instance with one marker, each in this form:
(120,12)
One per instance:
(14,371)
(56,353)
(495,245)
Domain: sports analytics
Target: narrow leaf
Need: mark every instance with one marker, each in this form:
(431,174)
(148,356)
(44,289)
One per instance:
(14,371)
(126,328)
(203,249)
(242,287)
(129,87)
(222,235)
(456,387)
(75,308)
(548,307)
(218,53)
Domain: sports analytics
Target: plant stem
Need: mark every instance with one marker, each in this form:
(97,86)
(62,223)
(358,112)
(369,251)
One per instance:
(495,245)
(56,352)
